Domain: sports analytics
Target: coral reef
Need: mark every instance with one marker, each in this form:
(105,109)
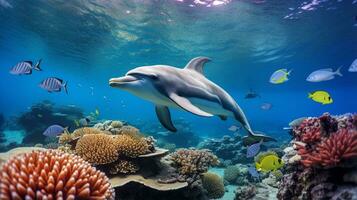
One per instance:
(213,184)
(190,163)
(231,174)
(45,175)
(245,192)
(97,148)
(131,146)
(322,154)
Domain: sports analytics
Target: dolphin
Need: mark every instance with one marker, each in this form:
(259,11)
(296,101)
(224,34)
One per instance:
(188,89)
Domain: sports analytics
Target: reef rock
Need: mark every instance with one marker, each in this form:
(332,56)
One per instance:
(321,159)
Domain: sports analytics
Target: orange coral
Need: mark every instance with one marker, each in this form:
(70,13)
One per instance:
(131,146)
(331,151)
(97,148)
(52,175)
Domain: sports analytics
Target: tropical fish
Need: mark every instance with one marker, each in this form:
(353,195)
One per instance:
(97,112)
(25,68)
(266,106)
(251,95)
(59,114)
(53,131)
(254,149)
(353,67)
(321,97)
(280,76)
(268,163)
(323,75)
(84,121)
(54,84)
(253,172)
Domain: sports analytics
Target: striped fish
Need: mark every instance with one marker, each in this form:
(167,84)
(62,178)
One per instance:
(253,149)
(53,84)
(25,68)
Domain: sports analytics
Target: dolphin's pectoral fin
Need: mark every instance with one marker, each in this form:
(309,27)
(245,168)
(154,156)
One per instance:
(185,104)
(163,113)
(197,63)
(224,118)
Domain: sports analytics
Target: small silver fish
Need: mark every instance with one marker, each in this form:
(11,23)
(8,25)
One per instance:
(353,67)
(323,75)
(25,68)
(84,121)
(54,84)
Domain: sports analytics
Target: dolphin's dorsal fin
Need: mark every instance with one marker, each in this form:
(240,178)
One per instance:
(197,64)
(185,104)
(163,113)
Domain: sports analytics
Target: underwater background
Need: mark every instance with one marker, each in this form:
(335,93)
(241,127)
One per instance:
(88,42)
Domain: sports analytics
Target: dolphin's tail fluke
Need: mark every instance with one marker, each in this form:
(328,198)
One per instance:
(255,137)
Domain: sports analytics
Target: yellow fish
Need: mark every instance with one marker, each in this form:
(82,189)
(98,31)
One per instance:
(97,112)
(269,163)
(321,97)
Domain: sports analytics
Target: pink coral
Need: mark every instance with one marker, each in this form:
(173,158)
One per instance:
(332,150)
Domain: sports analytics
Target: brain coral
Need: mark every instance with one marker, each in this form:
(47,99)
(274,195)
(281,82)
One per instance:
(131,146)
(231,173)
(97,148)
(213,184)
(52,175)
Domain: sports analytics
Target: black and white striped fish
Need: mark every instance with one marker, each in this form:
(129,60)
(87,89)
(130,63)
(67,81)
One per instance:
(25,68)
(53,84)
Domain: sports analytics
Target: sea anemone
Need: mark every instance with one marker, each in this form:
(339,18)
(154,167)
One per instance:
(97,148)
(52,174)
(331,151)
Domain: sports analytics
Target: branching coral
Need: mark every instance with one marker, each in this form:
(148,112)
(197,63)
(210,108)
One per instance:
(193,162)
(340,145)
(52,175)
(97,148)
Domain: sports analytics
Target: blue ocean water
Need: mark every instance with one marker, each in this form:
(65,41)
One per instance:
(88,42)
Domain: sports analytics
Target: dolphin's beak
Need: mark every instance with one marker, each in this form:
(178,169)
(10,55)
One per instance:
(115,82)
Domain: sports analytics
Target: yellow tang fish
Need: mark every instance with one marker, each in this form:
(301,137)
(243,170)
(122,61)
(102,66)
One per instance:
(269,163)
(321,97)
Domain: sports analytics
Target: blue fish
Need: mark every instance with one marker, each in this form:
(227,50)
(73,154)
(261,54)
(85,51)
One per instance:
(53,131)
(25,68)
(253,149)
(253,172)
(53,84)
